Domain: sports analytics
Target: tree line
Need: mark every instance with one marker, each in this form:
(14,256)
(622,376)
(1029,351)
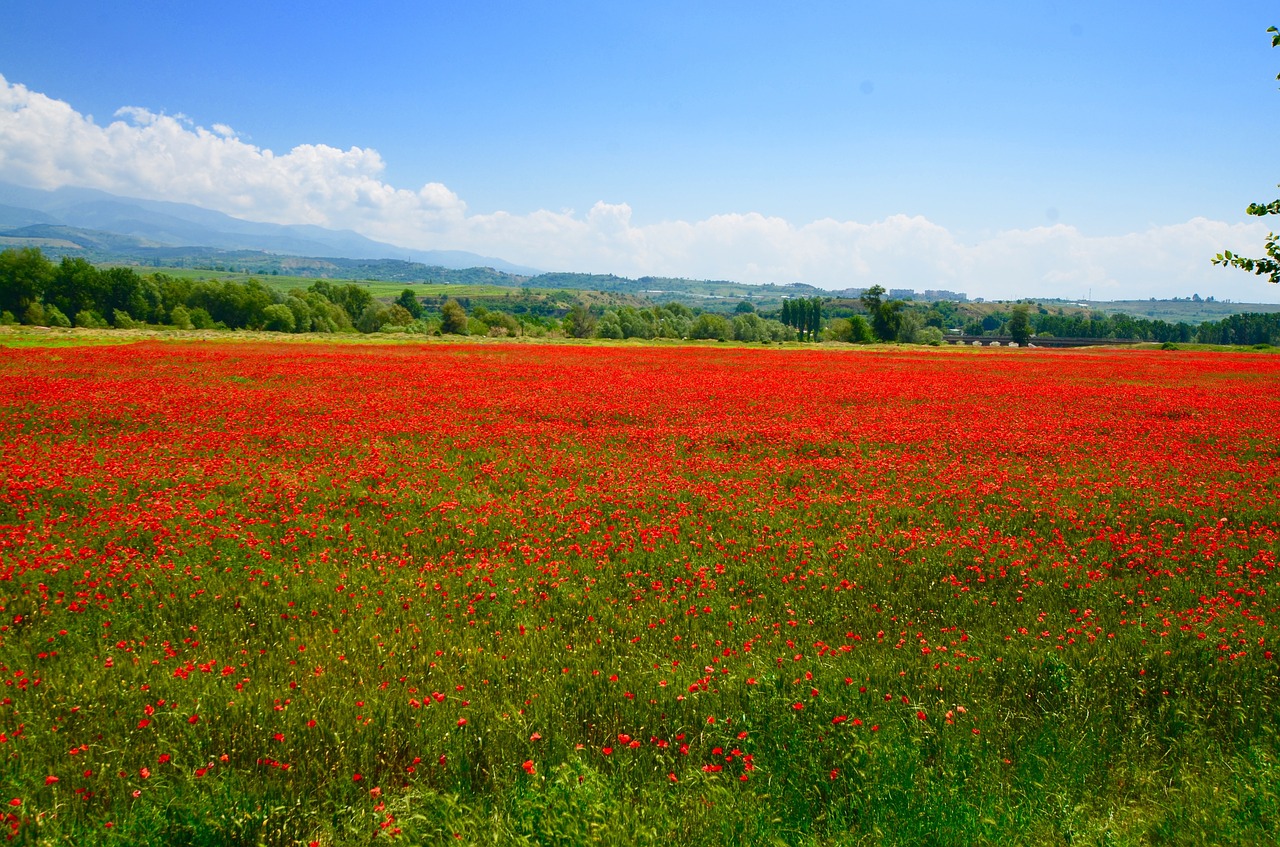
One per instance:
(73,292)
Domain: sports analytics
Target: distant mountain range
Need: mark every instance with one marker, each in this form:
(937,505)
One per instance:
(100,222)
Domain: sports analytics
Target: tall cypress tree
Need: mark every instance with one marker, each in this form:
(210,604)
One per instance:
(786,313)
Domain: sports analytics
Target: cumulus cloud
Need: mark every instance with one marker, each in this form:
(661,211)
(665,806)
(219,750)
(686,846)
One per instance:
(45,143)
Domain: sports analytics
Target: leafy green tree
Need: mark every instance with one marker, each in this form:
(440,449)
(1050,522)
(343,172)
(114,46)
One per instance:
(1270,266)
(351,298)
(201,319)
(908,324)
(1020,324)
(89,319)
(398,315)
(76,286)
(930,335)
(34,314)
(672,321)
(53,316)
(378,315)
(744,307)
(278,318)
(860,331)
(609,327)
(886,317)
(302,313)
(709,325)
(121,289)
(410,303)
(180,317)
(579,322)
(24,275)
(453,318)
(637,323)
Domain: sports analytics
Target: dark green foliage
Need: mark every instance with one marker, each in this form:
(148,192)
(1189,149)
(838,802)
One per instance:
(804,315)
(55,317)
(24,276)
(410,303)
(708,325)
(238,305)
(579,322)
(350,297)
(75,286)
(886,317)
(1020,324)
(1099,325)
(453,318)
(278,318)
(1241,329)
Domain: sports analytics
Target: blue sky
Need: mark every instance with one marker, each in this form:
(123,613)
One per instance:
(1004,149)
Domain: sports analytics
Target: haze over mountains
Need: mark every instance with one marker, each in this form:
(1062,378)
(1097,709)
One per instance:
(108,222)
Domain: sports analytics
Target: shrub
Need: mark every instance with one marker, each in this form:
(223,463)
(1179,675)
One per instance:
(453,318)
(930,335)
(34,315)
(373,318)
(278,318)
(88,319)
(54,317)
(180,317)
(708,325)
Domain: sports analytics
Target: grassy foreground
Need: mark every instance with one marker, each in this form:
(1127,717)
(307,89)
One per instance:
(339,594)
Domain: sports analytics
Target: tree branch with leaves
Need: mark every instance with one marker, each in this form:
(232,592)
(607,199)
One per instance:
(1270,266)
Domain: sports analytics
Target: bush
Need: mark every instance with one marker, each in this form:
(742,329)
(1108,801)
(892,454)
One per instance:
(201,319)
(424,326)
(579,322)
(909,327)
(123,320)
(708,325)
(34,315)
(88,319)
(303,314)
(53,316)
(7,318)
(373,318)
(398,315)
(930,335)
(453,318)
(180,317)
(278,318)
(609,327)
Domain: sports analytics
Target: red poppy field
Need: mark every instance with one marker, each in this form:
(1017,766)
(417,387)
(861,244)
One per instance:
(307,594)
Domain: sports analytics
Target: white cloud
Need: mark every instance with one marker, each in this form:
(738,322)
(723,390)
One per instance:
(45,143)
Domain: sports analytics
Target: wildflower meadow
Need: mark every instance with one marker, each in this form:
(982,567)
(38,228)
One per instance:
(340,594)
